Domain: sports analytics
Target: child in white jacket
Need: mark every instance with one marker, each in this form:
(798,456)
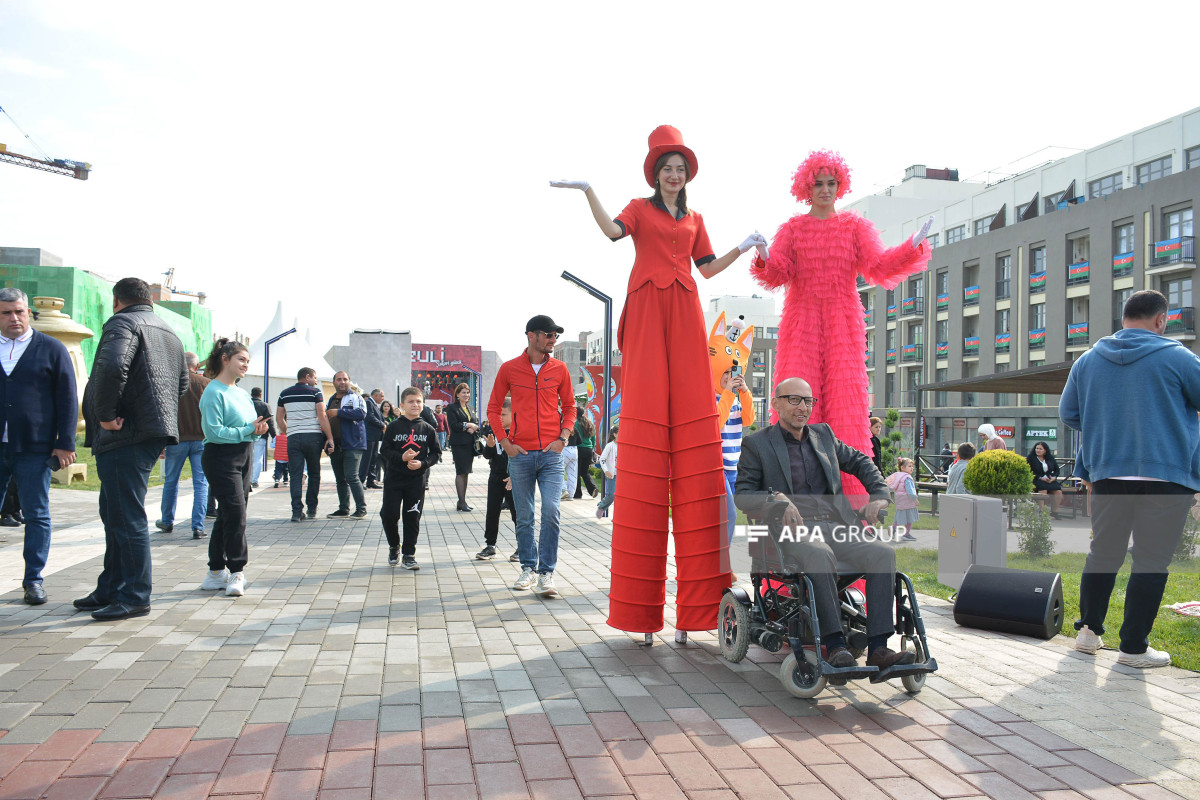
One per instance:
(608,463)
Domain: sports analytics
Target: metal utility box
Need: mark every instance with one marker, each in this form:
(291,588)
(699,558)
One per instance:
(971,532)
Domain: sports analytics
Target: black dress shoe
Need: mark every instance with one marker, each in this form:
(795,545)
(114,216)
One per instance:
(9,521)
(165,527)
(885,657)
(35,595)
(198,533)
(19,517)
(462,506)
(89,603)
(115,611)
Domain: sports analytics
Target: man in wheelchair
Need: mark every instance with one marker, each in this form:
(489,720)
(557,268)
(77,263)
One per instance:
(813,522)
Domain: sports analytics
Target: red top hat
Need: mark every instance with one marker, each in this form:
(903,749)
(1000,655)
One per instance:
(665,139)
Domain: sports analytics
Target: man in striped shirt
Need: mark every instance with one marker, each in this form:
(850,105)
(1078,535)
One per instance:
(301,418)
(735,408)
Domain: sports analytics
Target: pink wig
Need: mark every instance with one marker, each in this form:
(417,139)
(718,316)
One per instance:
(820,161)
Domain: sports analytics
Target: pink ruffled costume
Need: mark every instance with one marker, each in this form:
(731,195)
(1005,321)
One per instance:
(822,334)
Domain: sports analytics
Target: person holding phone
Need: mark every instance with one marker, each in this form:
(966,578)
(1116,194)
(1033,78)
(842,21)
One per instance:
(230,425)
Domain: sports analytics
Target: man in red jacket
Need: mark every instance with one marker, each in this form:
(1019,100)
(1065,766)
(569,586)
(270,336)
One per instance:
(543,414)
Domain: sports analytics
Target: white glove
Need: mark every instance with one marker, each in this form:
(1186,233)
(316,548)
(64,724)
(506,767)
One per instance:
(582,186)
(920,235)
(764,251)
(754,240)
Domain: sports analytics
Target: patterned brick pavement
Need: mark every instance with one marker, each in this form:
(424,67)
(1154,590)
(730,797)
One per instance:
(337,676)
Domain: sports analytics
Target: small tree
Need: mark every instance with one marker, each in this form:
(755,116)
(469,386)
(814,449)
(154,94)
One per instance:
(998,473)
(1033,529)
(890,443)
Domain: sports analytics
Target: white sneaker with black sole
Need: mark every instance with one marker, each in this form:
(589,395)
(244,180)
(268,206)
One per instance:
(1147,660)
(215,580)
(526,580)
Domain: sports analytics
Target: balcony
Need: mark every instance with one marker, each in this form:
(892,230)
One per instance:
(1122,265)
(911,306)
(943,302)
(1003,292)
(971,296)
(891,313)
(1037,282)
(1181,321)
(1077,334)
(943,349)
(908,399)
(1037,339)
(869,317)
(970,346)
(1078,273)
(912,353)
(870,357)
(891,356)
(1002,342)
(1177,252)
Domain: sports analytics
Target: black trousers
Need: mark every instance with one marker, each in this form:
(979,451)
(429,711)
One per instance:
(585,472)
(403,499)
(368,470)
(227,468)
(495,497)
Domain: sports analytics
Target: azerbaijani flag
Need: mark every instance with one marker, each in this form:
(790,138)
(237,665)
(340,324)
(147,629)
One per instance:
(909,350)
(943,301)
(1002,339)
(909,305)
(971,293)
(1175,315)
(971,343)
(760,365)
(891,354)
(1077,330)
(891,312)
(943,349)
(867,316)
(1079,270)
(1037,336)
(1037,280)
(1123,261)
(1168,247)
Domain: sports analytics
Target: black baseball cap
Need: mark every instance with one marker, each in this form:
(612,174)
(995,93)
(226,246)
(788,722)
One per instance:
(542,323)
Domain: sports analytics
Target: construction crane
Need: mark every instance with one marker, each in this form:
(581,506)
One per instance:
(60,166)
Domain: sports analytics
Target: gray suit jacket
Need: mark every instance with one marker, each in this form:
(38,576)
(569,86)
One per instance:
(764,464)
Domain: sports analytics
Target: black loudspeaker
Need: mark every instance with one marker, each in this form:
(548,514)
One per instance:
(1010,600)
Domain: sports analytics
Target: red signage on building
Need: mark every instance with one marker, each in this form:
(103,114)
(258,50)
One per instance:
(1006,431)
(447,357)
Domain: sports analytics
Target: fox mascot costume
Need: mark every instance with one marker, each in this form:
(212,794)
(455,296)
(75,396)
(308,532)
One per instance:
(728,352)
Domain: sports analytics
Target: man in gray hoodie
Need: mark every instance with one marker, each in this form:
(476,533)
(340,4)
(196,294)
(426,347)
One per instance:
(1134,397)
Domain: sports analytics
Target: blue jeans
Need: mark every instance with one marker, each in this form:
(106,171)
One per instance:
(730,479)
(177,455)
(257,457)
(304,449)
(545,471)
(124,473)
(610,493)
(33,489)
(345,473)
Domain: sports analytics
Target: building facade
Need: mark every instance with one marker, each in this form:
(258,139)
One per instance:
(1028,271)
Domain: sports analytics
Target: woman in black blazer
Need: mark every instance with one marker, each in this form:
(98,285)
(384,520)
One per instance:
(463,425)
(1045,475)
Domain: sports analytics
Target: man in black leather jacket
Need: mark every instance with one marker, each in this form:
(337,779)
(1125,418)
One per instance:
(131,406)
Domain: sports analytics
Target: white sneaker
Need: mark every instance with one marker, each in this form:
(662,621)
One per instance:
(1088,642)
(526,580)
(1146,660)
(545,585)
(237,585)
(216,580)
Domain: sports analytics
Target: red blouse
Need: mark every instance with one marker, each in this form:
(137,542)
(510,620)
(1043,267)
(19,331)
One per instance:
(664,247)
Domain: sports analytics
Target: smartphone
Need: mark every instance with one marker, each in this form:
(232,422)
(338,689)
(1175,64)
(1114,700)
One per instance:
(52,463)
(736,371)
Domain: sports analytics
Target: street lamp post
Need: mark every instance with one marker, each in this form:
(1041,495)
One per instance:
(608,343)
(267,374)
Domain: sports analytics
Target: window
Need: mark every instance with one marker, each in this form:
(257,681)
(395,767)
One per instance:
(1191,157)
(916,334)
(916,287)
(943,281)
(1003,276)
(1002,399)
(1037,259)
(1154,170)
(1037,399)
(1019,214)
(956,234)
(771,333)
(943,331)
(1037,316)
(891,297)
(1079,248)
(982,226)
(1120,297)
(970,370)
(1179,293)
(970,326)
(940,399)
(1002,321)
(1123,238)
(891,339)
(1050,202)
(1178,223)
(1105,186)
(933,240)
(890,390)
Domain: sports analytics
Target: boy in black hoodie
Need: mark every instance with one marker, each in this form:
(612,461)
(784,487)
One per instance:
(499,487)
(408,449)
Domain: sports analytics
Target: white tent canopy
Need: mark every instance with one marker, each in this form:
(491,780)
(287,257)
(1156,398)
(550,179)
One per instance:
(288,355)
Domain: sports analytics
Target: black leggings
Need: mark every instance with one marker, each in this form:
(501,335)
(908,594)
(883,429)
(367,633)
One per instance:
(227,468)
(585,472)
(403,499)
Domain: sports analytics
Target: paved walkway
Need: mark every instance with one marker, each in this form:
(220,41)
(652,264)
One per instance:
(337,676)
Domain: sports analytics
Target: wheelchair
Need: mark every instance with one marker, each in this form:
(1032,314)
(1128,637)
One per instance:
(779,607)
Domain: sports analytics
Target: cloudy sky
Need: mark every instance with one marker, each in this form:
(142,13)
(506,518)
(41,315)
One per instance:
(385,165)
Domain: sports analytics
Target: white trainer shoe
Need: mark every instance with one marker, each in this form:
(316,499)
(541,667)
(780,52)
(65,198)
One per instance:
(237,585)
(545,585)
(216,580)
(526,580)
(1088,642)
(1150,658)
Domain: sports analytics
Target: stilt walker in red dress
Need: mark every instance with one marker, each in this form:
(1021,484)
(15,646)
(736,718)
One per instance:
(817,257)
(671,469)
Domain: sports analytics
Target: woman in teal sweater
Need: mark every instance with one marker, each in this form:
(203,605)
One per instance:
(230,426)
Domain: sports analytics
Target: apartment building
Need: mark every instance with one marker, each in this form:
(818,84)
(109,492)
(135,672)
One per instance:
(1029,270)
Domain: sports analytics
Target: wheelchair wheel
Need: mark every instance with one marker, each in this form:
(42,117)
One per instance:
(734,628)
(914,683)
(803,680)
